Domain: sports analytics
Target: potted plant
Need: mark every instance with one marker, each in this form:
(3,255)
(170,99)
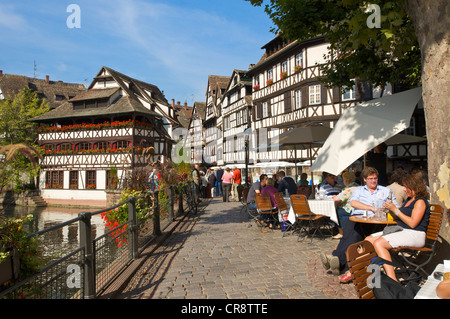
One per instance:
(283,75)
(269,82)
(9,265)
(298,68)
(20,255)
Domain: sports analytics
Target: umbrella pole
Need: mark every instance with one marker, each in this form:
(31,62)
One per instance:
(296,168)
(313,191)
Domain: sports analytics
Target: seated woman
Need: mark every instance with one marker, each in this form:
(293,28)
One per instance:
(343,198)
(270,189)
(412,217)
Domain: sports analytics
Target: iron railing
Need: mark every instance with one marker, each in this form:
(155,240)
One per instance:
(89,268)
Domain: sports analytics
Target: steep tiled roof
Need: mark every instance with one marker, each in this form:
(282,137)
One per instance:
(200,110)
(94,94)
(183,113)
(123,105)
(277,47)
(55,92)
(129,102)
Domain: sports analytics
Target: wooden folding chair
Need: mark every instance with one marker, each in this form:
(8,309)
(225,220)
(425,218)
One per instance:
(307,219)
(413,255)
(283,209)
(264,207)
(359,257)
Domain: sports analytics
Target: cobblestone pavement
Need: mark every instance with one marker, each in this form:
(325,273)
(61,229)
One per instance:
(222,254)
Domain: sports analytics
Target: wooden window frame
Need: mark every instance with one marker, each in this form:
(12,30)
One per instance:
(91,179)
(73,179)
(315,93)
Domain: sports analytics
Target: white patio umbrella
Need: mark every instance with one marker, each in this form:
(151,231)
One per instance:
(364,126)
(404,139)
(274,164)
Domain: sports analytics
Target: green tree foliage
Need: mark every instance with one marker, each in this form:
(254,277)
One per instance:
(388,54)
(15,127)
(18,155)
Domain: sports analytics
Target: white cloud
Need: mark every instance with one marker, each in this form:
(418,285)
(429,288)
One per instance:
(189,43)
(12,20)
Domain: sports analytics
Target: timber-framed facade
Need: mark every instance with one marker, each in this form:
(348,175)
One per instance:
(287,93)
(95,139)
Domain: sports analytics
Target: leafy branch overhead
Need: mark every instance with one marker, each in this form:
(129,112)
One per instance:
(388,54)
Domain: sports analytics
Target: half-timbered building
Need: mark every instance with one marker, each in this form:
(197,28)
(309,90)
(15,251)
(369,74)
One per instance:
(195,141)
(236,106)
(96,138)
(288,93)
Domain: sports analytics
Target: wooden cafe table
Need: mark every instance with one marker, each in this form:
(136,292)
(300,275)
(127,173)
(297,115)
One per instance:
(372,224)
(372,220)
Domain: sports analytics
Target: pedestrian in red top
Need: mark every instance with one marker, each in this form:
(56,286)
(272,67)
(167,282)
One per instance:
(236,183)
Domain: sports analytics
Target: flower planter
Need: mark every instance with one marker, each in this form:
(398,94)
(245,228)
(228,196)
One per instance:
(10,267)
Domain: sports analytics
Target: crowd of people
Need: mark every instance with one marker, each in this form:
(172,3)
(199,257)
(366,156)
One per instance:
(404,195)
(218,182)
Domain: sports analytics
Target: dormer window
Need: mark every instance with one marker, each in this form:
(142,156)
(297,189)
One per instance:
(90,104)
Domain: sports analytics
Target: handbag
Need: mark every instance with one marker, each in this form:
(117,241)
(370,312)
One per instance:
(391,229)
(388,288)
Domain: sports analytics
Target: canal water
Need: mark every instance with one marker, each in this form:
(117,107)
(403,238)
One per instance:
(64,239)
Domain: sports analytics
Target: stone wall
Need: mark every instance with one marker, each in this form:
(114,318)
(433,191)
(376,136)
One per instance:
(113,197)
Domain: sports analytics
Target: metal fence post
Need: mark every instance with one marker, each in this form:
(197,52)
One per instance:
(132,228)
(171,203)
(156,220)
(180,199)
(88,262)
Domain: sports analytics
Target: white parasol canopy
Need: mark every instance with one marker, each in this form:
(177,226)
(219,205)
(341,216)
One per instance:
(364,126)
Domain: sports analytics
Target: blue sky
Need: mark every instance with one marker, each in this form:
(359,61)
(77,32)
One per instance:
(173,44)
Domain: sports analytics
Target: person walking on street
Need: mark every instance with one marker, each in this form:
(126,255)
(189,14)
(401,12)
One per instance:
(197,181)
(219,174)
(227,180)
(212,182)
(236,183)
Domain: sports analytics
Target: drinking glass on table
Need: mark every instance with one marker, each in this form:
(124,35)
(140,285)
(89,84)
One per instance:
(377,206)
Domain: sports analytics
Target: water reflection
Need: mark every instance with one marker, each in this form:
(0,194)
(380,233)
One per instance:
(63,239)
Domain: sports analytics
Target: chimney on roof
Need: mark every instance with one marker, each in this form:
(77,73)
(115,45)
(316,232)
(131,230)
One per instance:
(185,103)
(47,79)
(1,72)
(173,102)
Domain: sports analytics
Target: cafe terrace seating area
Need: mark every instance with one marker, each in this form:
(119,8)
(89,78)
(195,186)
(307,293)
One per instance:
(313,218)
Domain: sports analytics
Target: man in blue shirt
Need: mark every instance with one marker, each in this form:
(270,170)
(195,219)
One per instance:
(370,196)
(364,198)
(286,182)
(330,185)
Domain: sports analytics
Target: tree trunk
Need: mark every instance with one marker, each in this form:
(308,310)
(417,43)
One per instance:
(431,23)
